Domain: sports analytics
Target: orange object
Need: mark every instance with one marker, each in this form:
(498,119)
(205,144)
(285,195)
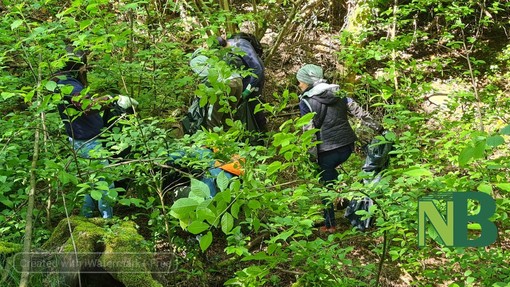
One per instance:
(234,167)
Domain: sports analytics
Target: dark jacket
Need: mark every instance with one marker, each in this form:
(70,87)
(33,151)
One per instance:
(331,116)
(215,115)
(252,62)
(85,126)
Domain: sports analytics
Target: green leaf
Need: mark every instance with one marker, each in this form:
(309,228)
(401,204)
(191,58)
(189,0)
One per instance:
(235,209)
(7,95)
(465,155)
(16,24)
(207,214)
(222,181)
(85,23)
(495,141)
(227,222)
(485,188)
(505,130)
(418,172)
(304,120)
(479,150)
(96,194)
(65,178)
(197,227)
(125,201)
(474,226)
(273,167)
(504,186)
(184,206)
(205,241)
(199,190)
(254,204)
(7,202)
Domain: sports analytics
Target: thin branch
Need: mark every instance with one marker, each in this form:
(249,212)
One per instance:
(27,242)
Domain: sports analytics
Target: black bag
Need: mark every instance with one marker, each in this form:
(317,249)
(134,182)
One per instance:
(355,219)
(255,43)
(194,118)
(378,157)
(245,115)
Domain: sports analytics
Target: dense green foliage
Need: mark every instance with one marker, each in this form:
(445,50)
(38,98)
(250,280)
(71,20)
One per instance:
(259,230)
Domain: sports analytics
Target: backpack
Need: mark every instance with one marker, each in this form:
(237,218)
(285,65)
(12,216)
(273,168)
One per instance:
(255,43)
(194,118)
(355,219)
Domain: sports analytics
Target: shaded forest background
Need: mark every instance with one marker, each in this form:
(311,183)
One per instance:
(434,72)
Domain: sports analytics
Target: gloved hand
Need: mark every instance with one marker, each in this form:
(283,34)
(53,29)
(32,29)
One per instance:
(246,93)
(126,102)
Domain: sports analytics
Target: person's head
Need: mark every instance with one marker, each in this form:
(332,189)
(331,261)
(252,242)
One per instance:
(309,75)
(221,41)
(76,64)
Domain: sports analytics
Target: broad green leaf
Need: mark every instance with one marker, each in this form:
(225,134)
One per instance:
(273,167)
(184,206)
(254,204)
(495,141)
(465,155)
(85,23)
(304,120)
(235,209)
(16,24)
(197,227)
(505,130)
(485,188)
(418,172)
(222,181)
(7,95)
(206,214)
(66,90)
(7,202)
(479,150)
(205,241)
(227,222)
(65,178)
(96,194)
(125,201)
(504,186)
(199,190)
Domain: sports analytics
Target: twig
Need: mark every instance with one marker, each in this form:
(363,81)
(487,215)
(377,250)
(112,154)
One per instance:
(25,273)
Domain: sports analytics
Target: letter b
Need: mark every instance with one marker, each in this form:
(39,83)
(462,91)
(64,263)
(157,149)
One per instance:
(489,231)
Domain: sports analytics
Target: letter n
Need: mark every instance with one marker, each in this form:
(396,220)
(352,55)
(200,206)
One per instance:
(443,226)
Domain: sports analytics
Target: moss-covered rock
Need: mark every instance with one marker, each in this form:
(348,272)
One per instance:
(7,249)
(114,245)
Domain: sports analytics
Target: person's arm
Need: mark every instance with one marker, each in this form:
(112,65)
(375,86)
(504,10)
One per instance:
(365,117)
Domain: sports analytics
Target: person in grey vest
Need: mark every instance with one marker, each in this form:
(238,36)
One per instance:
(335,134)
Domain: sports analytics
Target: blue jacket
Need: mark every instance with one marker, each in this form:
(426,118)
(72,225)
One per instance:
(85,126)
(251,61)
